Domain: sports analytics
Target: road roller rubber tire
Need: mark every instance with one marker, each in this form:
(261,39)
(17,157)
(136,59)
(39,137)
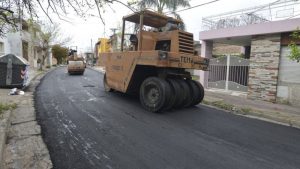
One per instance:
(186,93)
(195,92)
(180,93)
(155,94)
(105,85)
(201,91)
(176,94)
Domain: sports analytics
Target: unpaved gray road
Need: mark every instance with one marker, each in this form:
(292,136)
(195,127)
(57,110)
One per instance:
(86,128)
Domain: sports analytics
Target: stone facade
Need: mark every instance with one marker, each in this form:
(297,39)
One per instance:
(264,66)
(221,49)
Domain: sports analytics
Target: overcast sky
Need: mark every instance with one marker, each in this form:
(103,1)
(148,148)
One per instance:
(82,31)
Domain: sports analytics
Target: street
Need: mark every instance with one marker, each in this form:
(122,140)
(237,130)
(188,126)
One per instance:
(87,128)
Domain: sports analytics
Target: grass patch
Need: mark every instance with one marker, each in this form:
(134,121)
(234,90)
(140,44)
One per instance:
(220,104)
(5,107)
(206,102)
(229,107)
(223,105)
(245,110)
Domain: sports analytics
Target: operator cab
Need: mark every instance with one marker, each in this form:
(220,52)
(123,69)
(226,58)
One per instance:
(151,33)
(72,52)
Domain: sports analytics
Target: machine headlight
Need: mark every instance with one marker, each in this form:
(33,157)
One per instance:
(163,54)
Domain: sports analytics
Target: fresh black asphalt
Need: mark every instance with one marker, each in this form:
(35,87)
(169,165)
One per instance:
(86,128)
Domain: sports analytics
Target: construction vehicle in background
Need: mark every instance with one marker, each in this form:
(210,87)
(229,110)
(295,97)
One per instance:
(103,45)
(154,64)
(76,64)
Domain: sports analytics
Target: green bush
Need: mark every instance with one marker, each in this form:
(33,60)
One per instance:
(295,50)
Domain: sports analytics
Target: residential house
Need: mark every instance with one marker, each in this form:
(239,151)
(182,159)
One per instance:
(25,43)
(265,72)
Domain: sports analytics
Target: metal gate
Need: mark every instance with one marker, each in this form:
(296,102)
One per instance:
(229,73)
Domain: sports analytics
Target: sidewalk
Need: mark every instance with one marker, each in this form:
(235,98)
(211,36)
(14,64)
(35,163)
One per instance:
(21,143)
(237,103)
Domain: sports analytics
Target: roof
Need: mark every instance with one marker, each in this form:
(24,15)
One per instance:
(152,19)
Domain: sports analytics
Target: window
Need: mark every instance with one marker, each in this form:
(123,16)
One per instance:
(25,50)
(1,48)
(34,52)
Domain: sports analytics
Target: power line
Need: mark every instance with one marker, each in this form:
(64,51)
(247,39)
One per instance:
(194,6)
(262,7)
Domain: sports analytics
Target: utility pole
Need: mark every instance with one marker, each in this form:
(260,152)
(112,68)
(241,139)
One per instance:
(114,30)
(114,39)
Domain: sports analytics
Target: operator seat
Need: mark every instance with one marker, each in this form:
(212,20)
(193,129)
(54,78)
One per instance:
(171,25)
(134,42)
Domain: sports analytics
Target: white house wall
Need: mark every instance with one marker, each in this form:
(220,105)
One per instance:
(6,45)
(15,43)
(289,79)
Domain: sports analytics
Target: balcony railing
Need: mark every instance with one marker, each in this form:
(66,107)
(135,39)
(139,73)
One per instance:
(278,10)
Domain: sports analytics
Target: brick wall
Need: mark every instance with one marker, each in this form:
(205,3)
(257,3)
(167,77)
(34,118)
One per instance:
(264,66)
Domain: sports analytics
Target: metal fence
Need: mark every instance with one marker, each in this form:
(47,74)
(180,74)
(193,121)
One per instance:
(229,73)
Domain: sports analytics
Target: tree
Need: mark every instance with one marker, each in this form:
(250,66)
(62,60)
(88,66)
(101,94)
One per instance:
(46,35)
(295,50)
(161,5)
(60,53)
(15,10)
(6,18)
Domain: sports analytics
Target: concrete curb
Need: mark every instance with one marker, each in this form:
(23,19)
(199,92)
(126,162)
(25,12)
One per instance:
(273,117)
(3,134)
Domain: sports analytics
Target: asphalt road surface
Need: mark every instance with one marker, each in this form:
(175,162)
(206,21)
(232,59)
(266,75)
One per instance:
(87,128)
